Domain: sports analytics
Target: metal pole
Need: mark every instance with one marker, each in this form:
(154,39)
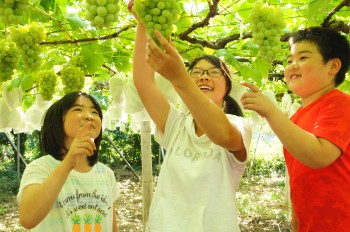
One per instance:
(18,155)
(15,148)
(127,163)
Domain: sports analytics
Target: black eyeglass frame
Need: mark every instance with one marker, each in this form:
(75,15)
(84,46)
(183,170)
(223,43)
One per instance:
(202,71)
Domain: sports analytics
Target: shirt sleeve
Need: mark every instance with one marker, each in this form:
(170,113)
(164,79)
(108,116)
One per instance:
(174,117)
(332,121)
(115,185)
(36,172)
(245,128)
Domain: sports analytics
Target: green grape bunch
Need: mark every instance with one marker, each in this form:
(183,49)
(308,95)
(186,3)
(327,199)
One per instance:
(157,15)
(73,78)
(78,61)
(266,24)
(28,38)
(102,13)
(11,11)
(47,82)
(8,60)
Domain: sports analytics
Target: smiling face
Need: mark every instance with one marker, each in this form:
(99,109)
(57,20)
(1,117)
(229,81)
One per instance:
(306,73)
(214,86)
(79,114)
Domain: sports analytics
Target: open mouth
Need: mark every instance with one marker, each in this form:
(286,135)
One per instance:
(294,76)
(205,88)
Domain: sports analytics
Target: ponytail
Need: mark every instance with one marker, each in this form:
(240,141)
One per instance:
(232,107)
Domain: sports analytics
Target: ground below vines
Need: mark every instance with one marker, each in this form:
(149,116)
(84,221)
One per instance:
(261,202)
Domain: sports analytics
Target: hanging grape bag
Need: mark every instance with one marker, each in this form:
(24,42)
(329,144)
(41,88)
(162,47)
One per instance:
(157,15)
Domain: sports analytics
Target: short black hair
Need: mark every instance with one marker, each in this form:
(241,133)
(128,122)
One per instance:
(330,43)
(52,130)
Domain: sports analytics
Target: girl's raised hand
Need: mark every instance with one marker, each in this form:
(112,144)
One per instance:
(130,8)
(167,61)
(82,146)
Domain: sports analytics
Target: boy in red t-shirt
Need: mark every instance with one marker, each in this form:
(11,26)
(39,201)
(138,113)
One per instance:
(316,139)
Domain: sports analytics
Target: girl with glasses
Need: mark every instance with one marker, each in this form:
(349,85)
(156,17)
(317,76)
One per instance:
(206,146)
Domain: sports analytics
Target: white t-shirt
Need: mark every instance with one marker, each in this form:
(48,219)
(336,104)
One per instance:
(85,201)
(198,179)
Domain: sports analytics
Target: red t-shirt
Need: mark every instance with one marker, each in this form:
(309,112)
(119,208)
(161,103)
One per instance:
(321,197)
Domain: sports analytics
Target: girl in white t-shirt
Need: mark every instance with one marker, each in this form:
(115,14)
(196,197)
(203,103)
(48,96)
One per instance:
(67,189)
(207,146)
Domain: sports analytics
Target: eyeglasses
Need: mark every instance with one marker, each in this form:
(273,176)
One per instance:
(213,72)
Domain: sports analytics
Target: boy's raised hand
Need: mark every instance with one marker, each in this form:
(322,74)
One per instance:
(255,100)
(167,61)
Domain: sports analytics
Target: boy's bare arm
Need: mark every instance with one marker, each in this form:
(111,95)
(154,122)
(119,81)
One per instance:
(307,148)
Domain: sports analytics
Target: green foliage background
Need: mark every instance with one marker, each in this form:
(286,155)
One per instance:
(219,27)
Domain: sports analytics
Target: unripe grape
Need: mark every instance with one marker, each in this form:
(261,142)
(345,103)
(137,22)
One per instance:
(101,2)
(109,18)
(8,11)
(99,20)
(101,11)
(165,13)
(148,18)
(156,11)
(111,8)
(161,19)
(161,5)
(92,9)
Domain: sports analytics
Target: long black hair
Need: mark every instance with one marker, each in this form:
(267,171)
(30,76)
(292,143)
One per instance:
(52,130)
(230,105)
